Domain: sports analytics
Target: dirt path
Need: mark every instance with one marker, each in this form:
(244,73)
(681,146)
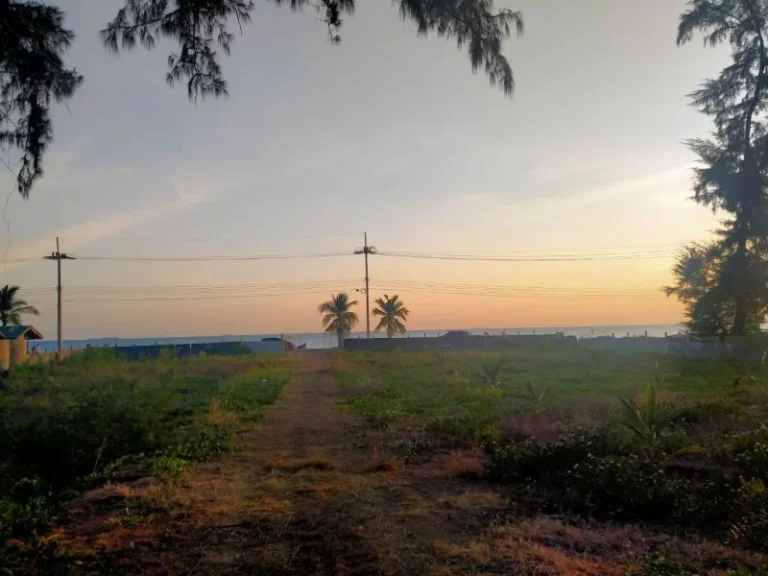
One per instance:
(315,490)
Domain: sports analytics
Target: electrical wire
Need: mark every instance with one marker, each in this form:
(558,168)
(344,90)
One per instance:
(211,258)
(552,258)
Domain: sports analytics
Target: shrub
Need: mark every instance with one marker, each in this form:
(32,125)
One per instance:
(25,512)
(750,515)
(748,451)
(534,396)
(491,370)
(533,461)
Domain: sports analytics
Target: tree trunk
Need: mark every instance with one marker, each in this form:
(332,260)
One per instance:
(341,339)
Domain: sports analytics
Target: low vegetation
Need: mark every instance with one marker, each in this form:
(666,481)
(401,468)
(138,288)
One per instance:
(68,427)
(674,444)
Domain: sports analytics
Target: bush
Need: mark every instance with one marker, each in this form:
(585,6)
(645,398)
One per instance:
(25,512)
(748,451)
(533,461)
(749,519)
(591,474)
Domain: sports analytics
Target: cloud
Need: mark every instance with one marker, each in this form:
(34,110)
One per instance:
(85,233)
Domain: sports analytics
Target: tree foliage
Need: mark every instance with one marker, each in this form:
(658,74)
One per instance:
(199,26)
(11,308)
(33,40)
(725,281)
(393,315)
(338,316)
(32,74)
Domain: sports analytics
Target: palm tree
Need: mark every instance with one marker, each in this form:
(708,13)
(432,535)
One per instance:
(11,308)
(337,315)
(392,311)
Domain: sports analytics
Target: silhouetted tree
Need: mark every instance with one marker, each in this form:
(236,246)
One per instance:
(32,74)
(733,166)
(11,308)
(33,39)
(338,316)
(393,315)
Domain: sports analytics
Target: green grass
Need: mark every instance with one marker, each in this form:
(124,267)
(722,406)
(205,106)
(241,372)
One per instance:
(613,436)
(445,384)
(66,427)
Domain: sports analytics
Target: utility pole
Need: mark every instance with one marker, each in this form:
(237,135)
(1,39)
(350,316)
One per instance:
(365,251)
(58,256)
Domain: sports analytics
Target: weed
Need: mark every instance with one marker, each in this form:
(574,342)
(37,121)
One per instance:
(646,422)
(491,371)
(534,396)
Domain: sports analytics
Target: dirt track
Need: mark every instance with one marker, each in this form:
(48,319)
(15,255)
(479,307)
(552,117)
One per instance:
(315,491)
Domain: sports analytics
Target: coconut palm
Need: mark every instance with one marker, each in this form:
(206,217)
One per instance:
(11,308)
(338,317)
(393,314)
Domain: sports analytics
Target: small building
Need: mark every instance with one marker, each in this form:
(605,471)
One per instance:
(13,344)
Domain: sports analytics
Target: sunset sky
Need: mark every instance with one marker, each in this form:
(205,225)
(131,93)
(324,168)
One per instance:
(386,133)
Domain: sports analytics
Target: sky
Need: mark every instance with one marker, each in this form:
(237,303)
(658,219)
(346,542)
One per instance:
(387,133)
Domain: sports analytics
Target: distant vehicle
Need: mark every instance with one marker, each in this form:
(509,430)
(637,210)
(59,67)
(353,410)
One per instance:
(455,334)
(287,346)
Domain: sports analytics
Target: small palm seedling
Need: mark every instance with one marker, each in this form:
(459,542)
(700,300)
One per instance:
(645,421)
(535,396)
(491,371)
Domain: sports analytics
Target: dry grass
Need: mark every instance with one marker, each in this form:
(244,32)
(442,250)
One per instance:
(272,485)
(382,462)
(592,548)
(271,507)
(220,416)
(472,501)
(293,465)
(325,484)
(535,559)
(467,464)
(476,551)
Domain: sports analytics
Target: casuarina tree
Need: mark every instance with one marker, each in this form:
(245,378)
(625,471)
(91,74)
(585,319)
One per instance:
(33,40)
(731,176)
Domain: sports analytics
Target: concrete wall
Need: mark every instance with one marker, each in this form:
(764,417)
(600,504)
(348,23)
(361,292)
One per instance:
(711,348)
(181,350)
(470,342)
(211,348)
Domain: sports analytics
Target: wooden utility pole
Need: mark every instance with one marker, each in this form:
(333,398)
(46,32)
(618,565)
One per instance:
(365,251)
(58,256)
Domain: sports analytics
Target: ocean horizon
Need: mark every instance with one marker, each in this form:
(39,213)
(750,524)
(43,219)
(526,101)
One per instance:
(322,340)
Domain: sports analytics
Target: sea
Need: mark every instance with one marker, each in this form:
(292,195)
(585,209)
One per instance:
(321,340)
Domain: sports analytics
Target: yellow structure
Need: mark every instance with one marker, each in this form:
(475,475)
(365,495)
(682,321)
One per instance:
(13,344)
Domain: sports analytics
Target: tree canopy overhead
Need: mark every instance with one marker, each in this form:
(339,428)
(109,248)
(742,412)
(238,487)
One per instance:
(33,41)
(200,26)
(32,73)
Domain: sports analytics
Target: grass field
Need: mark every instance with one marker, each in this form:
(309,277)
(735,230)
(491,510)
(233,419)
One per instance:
(677,444)
(92,419)
(530,462)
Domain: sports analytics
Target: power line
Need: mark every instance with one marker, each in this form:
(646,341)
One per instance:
(211,258)
(217,239)
(553,258)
